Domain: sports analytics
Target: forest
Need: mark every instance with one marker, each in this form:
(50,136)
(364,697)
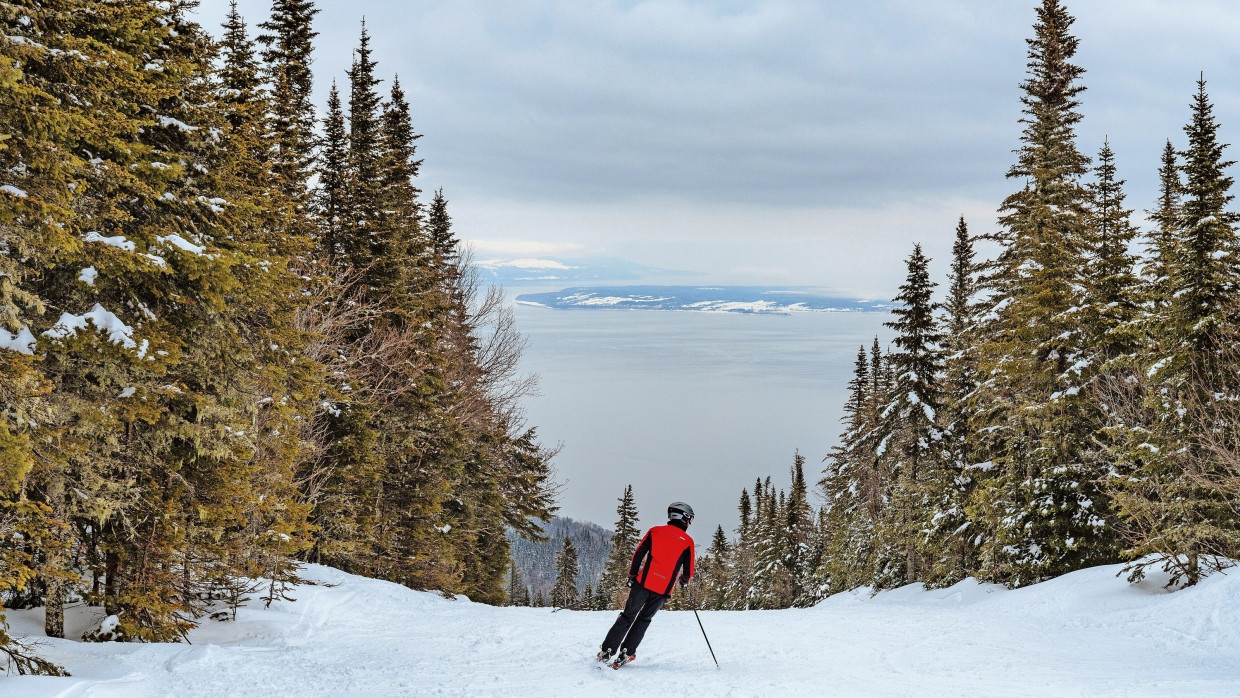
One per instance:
(236,337)
(1070,402)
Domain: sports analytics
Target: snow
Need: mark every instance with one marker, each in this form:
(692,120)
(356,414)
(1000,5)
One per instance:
(10,189)
(102,319)
(181,243)
(88,275)
(175,123)
(1086,633)
(23,342)
(115,241)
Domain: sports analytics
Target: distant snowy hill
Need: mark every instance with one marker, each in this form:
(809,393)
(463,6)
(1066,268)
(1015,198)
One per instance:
(726,299)
(1084,634)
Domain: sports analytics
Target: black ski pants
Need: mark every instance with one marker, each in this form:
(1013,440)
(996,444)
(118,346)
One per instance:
(630,627)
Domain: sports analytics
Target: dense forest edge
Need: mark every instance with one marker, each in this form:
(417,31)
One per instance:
(236,337)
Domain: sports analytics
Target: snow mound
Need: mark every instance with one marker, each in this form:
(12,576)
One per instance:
(1086,633)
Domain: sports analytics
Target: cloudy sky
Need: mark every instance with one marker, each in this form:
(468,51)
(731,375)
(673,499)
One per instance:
(770,141)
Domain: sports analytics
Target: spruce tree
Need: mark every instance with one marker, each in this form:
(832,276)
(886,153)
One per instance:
(1175,515)
(799,529)
(854,485)
(950,552)
(624,540)
(1112,301)
(1038,510)
(715,572)
(564,593)
(332,197)
(288,40)
(1161,241)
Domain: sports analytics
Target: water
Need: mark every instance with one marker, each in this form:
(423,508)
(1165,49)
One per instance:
(686,406)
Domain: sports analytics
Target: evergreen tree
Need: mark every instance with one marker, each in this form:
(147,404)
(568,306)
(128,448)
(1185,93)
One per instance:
(910,450)
(715,571)
(333,191)
(798,531)
(1038,509)
(564,593)
(624,540)
(854,486)
(950,553)
(288,54)
(1171,511)
(1160,243)
(1111,282)
(515,586)
(364,246)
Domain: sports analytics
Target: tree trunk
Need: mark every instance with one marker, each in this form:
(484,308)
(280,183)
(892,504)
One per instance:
(54,599)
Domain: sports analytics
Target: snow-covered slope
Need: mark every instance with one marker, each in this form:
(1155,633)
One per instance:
(1088,633)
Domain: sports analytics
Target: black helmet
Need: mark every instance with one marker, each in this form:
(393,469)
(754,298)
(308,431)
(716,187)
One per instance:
(679,511)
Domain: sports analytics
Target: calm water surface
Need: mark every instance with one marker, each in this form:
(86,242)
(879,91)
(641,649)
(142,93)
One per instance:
(686,406)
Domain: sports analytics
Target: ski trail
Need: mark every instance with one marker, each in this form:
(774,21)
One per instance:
(1084,634)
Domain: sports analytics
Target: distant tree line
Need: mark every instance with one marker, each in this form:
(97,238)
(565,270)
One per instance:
(234,336)
(538,566)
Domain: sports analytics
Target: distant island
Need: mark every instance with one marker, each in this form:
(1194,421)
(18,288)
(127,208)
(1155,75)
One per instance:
(716,299)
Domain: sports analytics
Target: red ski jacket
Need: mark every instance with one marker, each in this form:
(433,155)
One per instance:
(665,553)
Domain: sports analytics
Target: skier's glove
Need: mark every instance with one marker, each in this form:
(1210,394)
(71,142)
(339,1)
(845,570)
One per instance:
(629,583)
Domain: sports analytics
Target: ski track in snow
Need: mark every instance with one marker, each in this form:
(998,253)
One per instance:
(1084,634)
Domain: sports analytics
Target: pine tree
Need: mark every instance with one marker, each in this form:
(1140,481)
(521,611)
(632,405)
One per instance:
(333,192)
(1111,282)
(911,452)
(798,531)
(1160,243)
(715,571)
(1038,509)
(564,592)
(1172,509)
(624,540)
(287,55)
(950,552)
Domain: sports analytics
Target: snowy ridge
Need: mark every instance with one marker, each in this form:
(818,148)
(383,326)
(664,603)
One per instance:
(1086,633)
(712,299)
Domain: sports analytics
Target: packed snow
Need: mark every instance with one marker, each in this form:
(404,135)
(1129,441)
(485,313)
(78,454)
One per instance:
(1087,633)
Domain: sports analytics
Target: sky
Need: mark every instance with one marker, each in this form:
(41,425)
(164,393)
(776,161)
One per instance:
(798,142)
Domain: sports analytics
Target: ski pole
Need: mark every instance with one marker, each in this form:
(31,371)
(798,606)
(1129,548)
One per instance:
(712,649)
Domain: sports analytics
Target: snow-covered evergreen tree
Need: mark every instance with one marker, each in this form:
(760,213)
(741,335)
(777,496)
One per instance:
(911,452)
(1037,509)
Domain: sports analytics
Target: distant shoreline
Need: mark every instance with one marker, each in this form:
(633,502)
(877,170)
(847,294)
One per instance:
(748,300)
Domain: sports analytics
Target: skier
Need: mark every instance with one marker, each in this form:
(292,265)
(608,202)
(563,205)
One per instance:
(665,553)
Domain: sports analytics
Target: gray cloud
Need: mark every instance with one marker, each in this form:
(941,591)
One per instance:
(772,128)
